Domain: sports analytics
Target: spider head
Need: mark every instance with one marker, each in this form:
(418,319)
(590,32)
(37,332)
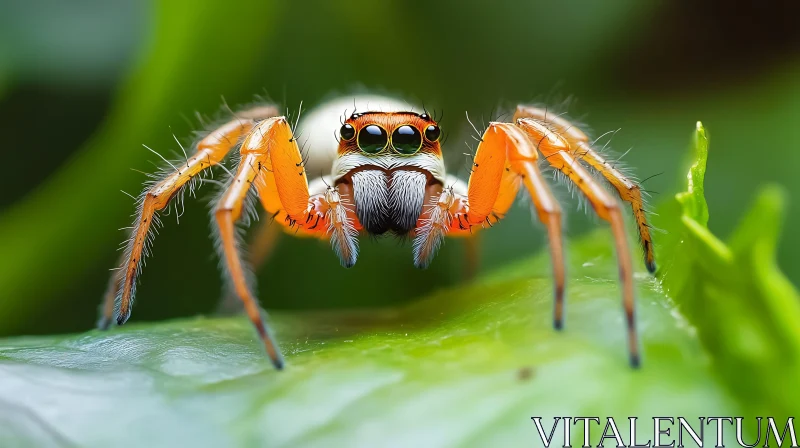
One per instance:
(389,159)
(389,134)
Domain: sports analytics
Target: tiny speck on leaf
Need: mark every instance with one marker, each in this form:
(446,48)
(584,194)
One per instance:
(525,373)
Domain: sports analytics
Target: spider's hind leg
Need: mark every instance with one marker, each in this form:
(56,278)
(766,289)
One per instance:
(556,149)
(629,192)
(581,148)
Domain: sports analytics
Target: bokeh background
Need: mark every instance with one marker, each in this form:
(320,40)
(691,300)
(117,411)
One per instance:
(83,84)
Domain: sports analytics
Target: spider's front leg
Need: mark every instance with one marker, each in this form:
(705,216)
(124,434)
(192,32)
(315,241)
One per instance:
(504,161)
(209,152)
(271,160)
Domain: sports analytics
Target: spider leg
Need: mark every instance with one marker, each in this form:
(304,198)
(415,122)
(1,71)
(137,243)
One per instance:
(260,250)
(210,151)
(271,161)
(628,190)
(107,306)
(505,160)
(329,216)
(265,138)
(329,212)
(227,212)
(550,215)
(556,149)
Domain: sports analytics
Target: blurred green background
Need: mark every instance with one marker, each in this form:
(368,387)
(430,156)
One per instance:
(84,84)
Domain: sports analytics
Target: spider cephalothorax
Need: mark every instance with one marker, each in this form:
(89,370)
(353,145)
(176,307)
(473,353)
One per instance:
(385,174)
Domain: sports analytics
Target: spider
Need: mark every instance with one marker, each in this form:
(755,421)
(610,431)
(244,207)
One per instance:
(386,175)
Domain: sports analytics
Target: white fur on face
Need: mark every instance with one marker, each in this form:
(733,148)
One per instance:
(406,196)
(423,161)
(371,197)
(388,201)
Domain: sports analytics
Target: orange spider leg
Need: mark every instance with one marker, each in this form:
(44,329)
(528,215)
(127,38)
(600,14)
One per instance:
(326,214)
(504,161)
(228,211)
(268,233)
(582,149)
(272,162)
(556,148)
(550,215)
(268,137)
(259,251)
(210,151)
(523,159)
(629,192)
(266,236)
(107,306)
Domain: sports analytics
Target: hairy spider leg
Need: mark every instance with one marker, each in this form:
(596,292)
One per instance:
(107,306)
(256,150)
(210,151)
(556,149)
(581,148)
(259,250)
(505,160)
(271,161)
(316,225)
(328,214)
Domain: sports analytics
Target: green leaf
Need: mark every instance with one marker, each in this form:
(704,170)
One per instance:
(463,367)
(745,310)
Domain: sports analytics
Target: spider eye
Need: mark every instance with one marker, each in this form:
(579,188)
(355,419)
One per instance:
(406,139)
(372,139)
(347,132)
(432,132)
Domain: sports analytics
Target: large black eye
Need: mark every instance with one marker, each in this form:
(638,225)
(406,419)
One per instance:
(347,132)
(372,139)
(432,132)
(406,139)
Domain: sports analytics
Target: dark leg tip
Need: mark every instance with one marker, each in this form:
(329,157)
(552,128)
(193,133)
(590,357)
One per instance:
(651,266)
(122,318)
(558,324)
(635,361)
(278,362)
(420,263)
(103,323)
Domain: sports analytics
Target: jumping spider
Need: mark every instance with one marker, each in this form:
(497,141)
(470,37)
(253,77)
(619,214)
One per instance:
(387,174)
